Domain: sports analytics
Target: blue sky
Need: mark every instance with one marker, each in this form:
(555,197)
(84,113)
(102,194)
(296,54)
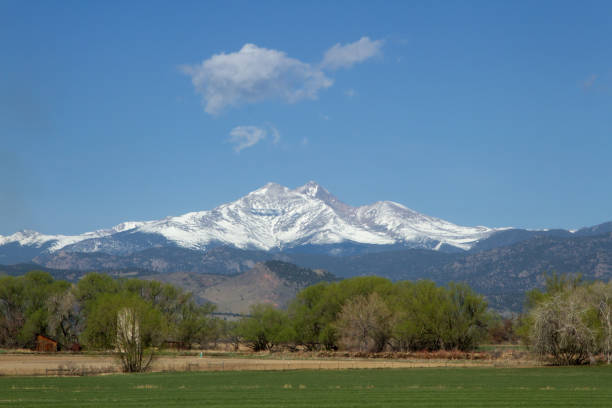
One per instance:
(481,113)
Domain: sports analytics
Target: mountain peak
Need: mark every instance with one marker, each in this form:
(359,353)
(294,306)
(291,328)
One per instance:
(26,237)
(27,233)
(24,234)
(127,225)
(270,188)
(311,189)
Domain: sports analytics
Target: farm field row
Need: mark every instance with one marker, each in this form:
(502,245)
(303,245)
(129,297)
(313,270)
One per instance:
(424,387)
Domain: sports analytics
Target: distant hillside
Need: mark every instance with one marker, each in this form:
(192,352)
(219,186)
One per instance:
(271,282)
(69,275)
(14,252)
(512,236)
(22,269)
(223,260)
(504,274)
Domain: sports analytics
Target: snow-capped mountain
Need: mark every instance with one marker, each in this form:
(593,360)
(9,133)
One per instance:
(273,217)
(55,242)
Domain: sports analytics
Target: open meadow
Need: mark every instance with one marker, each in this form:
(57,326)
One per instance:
(422,387)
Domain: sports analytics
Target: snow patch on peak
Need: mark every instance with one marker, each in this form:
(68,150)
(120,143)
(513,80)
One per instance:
(126,226)
(26,237)
(407,225)
(37,239)
(270,188)
(397,205)
(310,189)
(314,190)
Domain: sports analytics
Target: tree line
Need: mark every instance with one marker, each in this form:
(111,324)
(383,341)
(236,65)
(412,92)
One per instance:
(569,321)
(363,314)
(372,314)
(86,312)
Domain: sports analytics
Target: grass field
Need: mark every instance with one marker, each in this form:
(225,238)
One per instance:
(424,387)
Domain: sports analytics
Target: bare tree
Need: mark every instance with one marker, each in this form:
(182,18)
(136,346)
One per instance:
(602,302)
(130,347)
(560,331)
(364,323)
(605,310)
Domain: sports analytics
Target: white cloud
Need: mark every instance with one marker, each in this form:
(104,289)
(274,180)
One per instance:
(275,134)
(246,136)
(350,93)
(254,74)
(345,56)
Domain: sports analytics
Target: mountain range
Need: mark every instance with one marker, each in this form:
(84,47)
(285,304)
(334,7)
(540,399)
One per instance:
(271,218)
(309,227)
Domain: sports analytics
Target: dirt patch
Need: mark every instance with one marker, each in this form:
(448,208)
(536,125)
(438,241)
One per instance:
(55,364)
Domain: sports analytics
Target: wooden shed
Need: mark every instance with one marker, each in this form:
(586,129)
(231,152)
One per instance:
(175,344)
(45,344)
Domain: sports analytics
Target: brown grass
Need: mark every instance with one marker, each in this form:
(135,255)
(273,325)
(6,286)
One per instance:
(80,364)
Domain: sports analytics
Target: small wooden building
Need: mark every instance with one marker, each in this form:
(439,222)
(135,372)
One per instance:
(45,344)
(175,344)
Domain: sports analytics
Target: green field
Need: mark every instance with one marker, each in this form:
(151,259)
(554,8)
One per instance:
(425,387)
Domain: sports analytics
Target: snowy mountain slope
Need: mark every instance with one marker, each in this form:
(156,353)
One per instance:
(406,225)
(268,218)
(55,242)
(273,217)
